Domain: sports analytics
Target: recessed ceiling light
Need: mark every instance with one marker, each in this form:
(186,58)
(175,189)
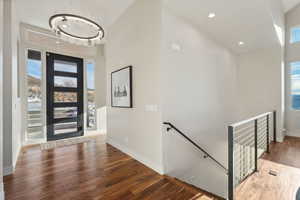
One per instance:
(241,43)
(211,15)
(64,25)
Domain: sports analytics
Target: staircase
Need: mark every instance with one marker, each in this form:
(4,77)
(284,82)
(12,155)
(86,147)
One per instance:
(248,140)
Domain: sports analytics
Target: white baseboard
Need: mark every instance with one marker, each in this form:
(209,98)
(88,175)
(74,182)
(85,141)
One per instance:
(137,156)
(17,156)
(2,196)
(8,170)
(281,138)
(293,133)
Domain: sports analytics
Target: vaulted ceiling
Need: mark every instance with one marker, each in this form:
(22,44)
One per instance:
(235,21)
(104,12)
(289,4)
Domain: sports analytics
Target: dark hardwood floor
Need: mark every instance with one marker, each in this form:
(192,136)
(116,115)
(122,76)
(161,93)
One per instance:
(91,171)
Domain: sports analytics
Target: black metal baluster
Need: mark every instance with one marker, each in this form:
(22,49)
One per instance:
(268,135)
(255,145)
(275,126)
(230,163)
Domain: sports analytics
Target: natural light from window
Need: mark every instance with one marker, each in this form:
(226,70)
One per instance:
(295,34)
(91,106)
(295,85)
(34,97)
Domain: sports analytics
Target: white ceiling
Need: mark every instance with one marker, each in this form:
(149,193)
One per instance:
(37,12)
(289,4)
(236,20)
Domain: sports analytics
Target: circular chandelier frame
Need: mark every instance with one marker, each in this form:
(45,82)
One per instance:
(58,29)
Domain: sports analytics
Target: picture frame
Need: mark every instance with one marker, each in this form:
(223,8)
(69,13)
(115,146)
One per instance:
(121,88)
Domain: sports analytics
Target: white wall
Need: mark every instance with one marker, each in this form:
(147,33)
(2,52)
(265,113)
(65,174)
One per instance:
(276,12)
(135,40)
(1,99)
(199,79)
(292,55)
(100,87)
(261,74)
(7,100)
(11,104)
(259,83)
(278,19)
(16,103)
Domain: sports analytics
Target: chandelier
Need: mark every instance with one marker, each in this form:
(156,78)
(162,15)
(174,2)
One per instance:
(76,29)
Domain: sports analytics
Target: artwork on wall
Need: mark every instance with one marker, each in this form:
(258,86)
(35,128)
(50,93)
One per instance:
(121,88)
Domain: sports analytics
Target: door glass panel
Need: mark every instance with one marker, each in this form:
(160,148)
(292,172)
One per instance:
(34,97)
(64,66)
(65,97)
(63,128)
(62,81)
(68,112)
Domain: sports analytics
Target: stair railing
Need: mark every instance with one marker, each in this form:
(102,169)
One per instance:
(206,154)
(248,140)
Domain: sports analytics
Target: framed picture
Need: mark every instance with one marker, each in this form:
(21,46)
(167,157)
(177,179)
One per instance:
(121,88)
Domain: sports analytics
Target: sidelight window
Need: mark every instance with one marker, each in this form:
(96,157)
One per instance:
(91,105)
(34,96)
(295,35)
(295,85)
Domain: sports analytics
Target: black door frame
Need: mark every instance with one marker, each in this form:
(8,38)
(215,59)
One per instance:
(51,57)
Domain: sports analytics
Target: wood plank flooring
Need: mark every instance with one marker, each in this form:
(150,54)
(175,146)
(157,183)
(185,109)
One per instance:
(286,153)
(91,171)
(283,159)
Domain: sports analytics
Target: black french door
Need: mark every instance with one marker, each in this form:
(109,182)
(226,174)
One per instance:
(64,97)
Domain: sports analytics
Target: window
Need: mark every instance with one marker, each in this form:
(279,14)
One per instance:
(295,85)
(64,66)
(91,105)
(18,70)
(63,81)
(65,97)
(34,96)
(65,112)
(295,34)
